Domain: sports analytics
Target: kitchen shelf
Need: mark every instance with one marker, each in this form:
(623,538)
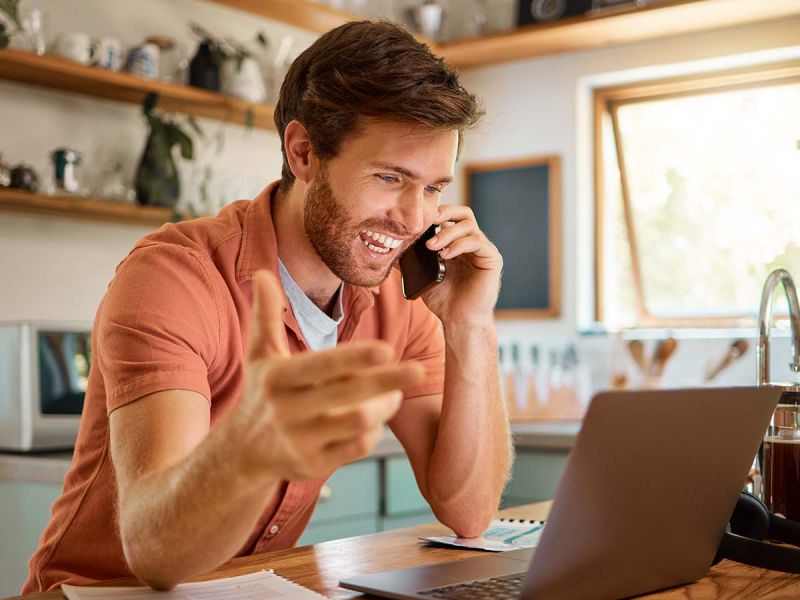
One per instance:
(78,207)
(611,27)
(304,14)
(615,27)
(53,72)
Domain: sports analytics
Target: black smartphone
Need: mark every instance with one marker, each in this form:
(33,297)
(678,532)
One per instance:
(420,266)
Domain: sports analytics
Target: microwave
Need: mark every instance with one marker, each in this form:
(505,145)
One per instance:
(44,371)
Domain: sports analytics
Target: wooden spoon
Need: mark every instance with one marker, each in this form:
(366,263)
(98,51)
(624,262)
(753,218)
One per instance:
(636,348)
(664,350)
(734,352)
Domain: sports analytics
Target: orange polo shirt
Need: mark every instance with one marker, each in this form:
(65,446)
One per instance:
(176,315)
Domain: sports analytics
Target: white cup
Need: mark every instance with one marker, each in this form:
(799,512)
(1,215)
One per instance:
(243,80)
(75,46)
(108,54)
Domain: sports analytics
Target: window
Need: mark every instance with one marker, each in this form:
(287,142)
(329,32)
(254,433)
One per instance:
(698,195)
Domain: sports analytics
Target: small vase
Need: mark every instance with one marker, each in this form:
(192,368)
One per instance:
(204,70)
(157,181)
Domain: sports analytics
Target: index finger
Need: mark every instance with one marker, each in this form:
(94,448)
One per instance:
(453,212)
(309,369)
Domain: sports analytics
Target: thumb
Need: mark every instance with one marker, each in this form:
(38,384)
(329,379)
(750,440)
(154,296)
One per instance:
(267,331)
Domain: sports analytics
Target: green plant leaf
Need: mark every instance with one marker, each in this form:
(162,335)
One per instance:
(149,103)
(220,140)
(11,8)
(175,135)
(195,127)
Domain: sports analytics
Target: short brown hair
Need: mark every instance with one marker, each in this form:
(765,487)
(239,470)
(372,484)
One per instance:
(368,69)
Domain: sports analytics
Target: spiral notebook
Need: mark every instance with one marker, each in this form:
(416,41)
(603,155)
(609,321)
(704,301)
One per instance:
(502,535)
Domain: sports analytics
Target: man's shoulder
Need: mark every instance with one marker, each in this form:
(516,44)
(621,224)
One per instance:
(201,236)
(198,250)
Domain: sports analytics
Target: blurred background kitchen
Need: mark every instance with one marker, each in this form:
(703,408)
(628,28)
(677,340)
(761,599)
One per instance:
(638,166)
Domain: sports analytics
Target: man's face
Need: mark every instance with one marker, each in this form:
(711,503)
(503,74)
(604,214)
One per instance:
(378,195)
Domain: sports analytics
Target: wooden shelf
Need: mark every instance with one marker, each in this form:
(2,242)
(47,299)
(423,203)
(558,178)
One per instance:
(58,73)
(304,14)
(612,27)
(622,26)
(76,207)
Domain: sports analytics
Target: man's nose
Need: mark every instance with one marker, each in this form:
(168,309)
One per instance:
(410,210)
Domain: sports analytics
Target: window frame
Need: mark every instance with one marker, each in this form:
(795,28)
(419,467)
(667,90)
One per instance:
(607,101)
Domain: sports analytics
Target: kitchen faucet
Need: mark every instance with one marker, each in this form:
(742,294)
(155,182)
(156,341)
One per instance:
(765,323)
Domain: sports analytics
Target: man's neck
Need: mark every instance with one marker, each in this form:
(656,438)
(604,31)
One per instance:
(297,253)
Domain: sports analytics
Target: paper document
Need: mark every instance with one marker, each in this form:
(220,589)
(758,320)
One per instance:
(502,535)
(264,585)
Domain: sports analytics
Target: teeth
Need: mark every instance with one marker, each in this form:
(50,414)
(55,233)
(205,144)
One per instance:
(385,240)
(376,249)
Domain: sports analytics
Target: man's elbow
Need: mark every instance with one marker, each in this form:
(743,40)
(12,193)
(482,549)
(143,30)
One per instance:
(469,528)
(464,522)
(155,573)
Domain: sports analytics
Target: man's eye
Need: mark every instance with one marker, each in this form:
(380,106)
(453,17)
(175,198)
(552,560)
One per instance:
(434,189)
(388,178)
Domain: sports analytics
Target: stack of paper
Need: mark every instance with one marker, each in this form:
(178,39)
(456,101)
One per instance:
(264,585)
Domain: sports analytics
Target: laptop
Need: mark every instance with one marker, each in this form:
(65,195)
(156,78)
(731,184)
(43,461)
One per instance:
(642,505)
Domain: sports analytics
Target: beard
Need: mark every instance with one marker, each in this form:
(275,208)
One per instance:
(335,236)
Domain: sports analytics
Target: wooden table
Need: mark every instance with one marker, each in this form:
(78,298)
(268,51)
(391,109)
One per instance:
(321,566)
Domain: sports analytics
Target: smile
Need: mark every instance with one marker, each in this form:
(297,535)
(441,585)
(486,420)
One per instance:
(379,242)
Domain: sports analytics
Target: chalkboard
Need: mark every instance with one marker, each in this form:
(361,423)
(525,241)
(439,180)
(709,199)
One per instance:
(517,205)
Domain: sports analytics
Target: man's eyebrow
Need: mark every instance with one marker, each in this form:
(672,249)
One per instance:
(408,173)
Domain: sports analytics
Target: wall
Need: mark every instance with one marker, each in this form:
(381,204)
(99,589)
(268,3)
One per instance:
(543,106)
(56,268)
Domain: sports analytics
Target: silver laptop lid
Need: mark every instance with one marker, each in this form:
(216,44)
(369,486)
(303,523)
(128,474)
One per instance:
(647,491)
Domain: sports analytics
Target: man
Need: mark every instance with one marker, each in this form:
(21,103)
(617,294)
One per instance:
(208,428)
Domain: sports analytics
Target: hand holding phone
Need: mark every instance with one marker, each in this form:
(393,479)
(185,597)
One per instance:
(421,267)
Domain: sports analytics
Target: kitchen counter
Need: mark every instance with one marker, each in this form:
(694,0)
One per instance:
(49,467)
(52,467)
(545,435)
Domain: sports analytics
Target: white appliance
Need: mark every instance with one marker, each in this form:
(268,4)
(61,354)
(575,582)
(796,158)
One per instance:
(44,370)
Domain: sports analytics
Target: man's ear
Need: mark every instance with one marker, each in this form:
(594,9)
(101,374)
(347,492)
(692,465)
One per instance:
(299,153)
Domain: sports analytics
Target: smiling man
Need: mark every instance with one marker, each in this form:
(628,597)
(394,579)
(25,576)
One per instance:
(240,359)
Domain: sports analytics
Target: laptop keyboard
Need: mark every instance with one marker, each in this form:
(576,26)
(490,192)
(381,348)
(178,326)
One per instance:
(500,588)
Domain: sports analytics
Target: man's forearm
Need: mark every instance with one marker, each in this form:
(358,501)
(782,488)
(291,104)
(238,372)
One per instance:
(471,458)
(193,516)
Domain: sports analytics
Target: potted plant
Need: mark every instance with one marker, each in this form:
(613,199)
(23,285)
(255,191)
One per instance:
(157,181)
(228,65)
(9,9)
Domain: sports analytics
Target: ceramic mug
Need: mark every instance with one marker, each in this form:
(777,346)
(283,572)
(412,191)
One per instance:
(108,53)
(243,80)
(75,46)
(143,60)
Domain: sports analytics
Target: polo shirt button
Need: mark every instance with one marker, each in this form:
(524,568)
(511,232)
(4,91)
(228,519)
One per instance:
(274,529)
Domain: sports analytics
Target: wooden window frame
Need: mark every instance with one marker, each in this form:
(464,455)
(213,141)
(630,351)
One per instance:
(553,164)
(607,101)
